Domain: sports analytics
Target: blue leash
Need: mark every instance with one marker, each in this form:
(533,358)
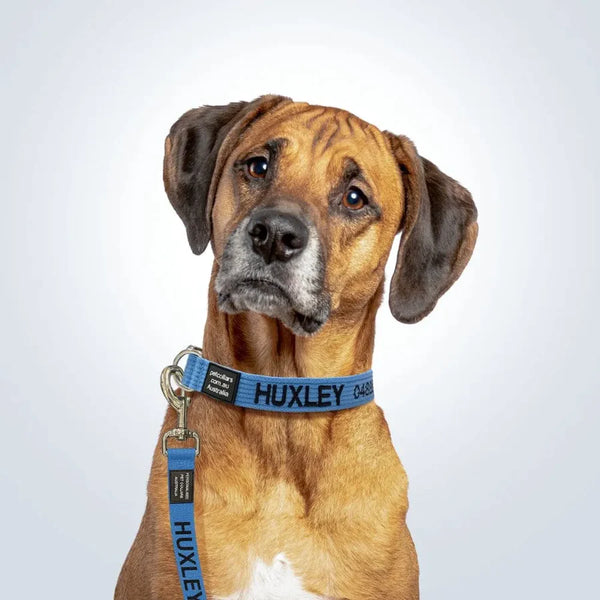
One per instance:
(248,390)
(181,510)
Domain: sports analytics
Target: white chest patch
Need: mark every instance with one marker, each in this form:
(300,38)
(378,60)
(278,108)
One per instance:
(273,582)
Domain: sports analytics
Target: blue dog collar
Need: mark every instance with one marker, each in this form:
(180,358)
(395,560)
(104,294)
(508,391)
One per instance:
(279,394)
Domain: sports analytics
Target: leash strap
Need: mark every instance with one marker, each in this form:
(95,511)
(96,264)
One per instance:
(183,531)
(278,394)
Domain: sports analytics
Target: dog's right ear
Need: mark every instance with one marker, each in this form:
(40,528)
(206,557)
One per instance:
(195,151)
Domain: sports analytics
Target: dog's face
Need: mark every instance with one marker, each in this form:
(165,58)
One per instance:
(304,216)
(302,204)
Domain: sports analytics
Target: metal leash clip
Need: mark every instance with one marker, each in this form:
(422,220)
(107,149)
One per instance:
(180,403)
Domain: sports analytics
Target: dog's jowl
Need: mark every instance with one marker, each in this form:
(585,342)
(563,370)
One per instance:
(301,205)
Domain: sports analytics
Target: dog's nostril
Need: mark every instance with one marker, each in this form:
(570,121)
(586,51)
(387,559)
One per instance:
(259,232)
(291,240)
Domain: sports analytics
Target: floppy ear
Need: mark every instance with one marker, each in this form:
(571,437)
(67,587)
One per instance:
(196,149)
(439,231)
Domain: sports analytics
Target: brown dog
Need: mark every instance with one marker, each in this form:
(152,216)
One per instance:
(301,204)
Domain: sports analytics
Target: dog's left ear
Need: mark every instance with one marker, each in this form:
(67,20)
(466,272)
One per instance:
(196,149)
(439,230)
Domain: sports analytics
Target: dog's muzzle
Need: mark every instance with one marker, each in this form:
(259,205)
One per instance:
(273,264)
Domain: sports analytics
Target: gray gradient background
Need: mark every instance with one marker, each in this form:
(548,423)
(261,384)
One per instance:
(492,400)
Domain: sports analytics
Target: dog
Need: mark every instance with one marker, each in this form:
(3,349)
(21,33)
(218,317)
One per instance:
(301,205)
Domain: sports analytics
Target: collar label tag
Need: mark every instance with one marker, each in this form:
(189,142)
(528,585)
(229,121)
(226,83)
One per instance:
(181,486)
(221,383)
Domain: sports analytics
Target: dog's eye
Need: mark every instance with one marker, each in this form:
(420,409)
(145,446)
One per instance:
(257,166)
(354,199)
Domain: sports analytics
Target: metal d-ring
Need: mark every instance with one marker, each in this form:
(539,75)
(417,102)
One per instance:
(177,402)
(189,350)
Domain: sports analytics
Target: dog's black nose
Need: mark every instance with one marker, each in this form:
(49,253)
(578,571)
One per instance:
(277,235)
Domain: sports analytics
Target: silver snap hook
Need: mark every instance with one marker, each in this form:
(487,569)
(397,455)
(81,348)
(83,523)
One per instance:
(180,403)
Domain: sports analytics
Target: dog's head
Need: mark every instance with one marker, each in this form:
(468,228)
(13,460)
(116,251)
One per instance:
(302,204)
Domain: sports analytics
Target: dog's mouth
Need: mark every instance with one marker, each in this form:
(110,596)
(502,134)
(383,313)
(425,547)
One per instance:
(272,299)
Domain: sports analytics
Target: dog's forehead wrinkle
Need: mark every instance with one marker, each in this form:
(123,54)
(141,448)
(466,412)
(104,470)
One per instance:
(319,134)
(315,113)
(321,126)
(336,130)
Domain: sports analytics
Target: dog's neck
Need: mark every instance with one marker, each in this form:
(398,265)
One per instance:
(259,344)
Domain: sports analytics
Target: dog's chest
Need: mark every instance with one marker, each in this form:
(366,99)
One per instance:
(270,543)
(289,529)
(275,581)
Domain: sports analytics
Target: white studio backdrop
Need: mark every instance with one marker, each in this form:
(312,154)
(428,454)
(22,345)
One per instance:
(492,400)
